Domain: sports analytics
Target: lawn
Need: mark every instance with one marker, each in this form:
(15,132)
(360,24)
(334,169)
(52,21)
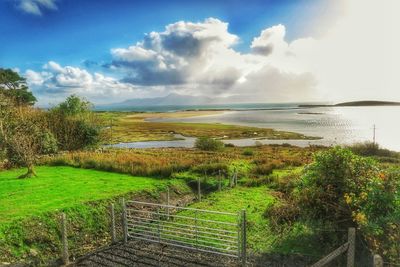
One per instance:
(62,187)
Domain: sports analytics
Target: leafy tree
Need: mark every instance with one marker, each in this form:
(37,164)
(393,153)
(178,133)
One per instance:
(74,106)
(25,136)
(74,124)
(14,86)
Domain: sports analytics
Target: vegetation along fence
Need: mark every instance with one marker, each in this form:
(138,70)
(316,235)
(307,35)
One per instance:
(215,232)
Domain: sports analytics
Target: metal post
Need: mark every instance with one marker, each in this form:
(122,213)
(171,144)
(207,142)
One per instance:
(244,237)
(378,261)
(374,134)
(195,227)
(352,243)
(198,189)
(167,203)
(158,225)
(64,237)
(124,221)
(219,180)
(113,232)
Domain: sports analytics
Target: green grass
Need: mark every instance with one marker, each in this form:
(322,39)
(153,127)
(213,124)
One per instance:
(255,200)
(30,209)
(61,187)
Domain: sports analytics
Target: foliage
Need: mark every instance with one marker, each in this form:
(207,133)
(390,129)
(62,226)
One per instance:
(74,106)
(13,86)
(350,190)
(248,152)
(24,136)
(208,144)
(164,162)
(373,149)
(74,125)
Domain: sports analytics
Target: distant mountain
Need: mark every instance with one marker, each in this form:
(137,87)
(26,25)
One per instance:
(356,104)
(170,100)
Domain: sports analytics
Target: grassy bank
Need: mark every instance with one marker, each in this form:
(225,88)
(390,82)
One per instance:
(30,209)
(131,127)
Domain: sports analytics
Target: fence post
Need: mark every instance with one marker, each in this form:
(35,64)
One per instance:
(378,261)
(198,189)
(351,239)
(236,178)
(113,232)
(64,237)
(219,180)
(168,203)
(244,237)
(124,222)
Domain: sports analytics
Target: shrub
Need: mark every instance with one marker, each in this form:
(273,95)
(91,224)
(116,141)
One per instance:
(350,190)
(248,152)
(264,169)
(209,144)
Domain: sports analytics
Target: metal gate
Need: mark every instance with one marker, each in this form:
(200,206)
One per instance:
(215,232)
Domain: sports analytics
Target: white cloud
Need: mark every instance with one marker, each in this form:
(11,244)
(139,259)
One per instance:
(199,58)
(357,58)
(35,7)
(56,82)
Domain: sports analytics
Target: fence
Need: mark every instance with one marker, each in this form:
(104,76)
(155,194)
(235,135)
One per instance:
(215,232)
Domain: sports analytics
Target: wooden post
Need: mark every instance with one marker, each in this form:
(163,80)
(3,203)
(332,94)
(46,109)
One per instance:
(378,261)
(351,239)
(131,167)
(64,237)
(113,232)
(244,237)
(198,189)
(124,222)
(219,180)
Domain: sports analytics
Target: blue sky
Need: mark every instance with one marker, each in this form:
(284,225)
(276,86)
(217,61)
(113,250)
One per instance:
(61,46)
(87,30)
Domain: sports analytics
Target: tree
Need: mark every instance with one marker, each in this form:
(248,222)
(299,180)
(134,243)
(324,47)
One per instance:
(25,136)
(74,124)
(14,86)
(74,106)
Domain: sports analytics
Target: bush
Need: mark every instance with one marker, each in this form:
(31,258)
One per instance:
(248,152)
(264,169)
(209,144)
(350,190)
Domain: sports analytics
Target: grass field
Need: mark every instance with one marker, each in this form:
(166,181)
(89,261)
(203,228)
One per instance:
(131,127)
(61,187)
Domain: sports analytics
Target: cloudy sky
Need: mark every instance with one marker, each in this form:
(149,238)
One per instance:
(252,51)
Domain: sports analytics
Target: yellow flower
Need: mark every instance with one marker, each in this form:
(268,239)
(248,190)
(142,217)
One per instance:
(360,218)
(347,199)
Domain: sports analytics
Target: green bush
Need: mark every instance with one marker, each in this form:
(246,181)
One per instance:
(248,152)
(350,190)
(209,144)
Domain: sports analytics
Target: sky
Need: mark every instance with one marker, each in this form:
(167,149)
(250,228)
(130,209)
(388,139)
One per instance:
(249,51)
